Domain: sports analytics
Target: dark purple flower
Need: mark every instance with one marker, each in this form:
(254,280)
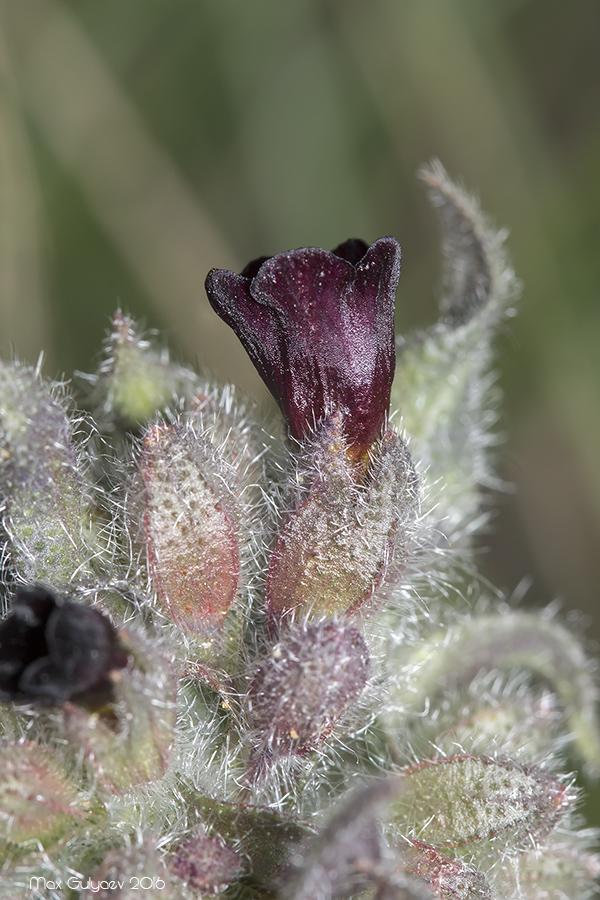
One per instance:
(52,650)
(319,327)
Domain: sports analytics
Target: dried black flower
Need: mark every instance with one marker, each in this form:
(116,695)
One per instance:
(52,650)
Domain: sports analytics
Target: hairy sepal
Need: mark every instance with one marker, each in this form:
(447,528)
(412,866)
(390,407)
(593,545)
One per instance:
(186,500)
(347,525)
(38,800)
(464,801)
(136,378)
(45,494)
(561,868)
(442,386)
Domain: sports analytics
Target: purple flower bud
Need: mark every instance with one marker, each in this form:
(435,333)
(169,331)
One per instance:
(319,327)
(52,650)
(204,864)
(311,678)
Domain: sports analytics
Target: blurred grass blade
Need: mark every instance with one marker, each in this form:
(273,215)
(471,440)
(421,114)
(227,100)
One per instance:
(21,290)
(129,181)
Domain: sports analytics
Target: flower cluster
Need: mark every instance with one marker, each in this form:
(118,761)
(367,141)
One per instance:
(241,665)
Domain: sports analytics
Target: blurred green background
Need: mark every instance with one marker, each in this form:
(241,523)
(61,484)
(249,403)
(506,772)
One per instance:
(144,141)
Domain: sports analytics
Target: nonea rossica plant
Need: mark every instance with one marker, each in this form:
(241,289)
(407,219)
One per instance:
(251,659)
